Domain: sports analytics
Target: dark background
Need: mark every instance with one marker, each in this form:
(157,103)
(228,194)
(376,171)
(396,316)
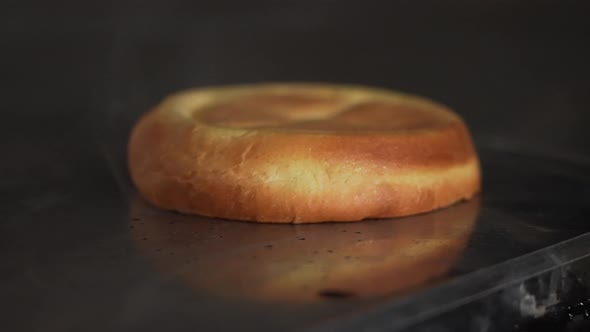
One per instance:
(75,75)
(511,68)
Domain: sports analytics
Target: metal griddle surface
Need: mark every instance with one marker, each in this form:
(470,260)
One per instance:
(92,256)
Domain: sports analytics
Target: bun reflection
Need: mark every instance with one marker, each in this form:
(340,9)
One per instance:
(303,262)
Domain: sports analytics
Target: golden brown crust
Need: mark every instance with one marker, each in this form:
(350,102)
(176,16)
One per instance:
(302,153)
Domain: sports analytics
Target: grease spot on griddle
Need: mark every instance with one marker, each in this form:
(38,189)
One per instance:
(269,246)
(301,238)
(336,294)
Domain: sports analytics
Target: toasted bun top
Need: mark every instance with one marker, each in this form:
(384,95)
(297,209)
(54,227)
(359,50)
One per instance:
(321,108)
(341,123)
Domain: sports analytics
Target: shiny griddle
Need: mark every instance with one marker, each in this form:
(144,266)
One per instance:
(103,259)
